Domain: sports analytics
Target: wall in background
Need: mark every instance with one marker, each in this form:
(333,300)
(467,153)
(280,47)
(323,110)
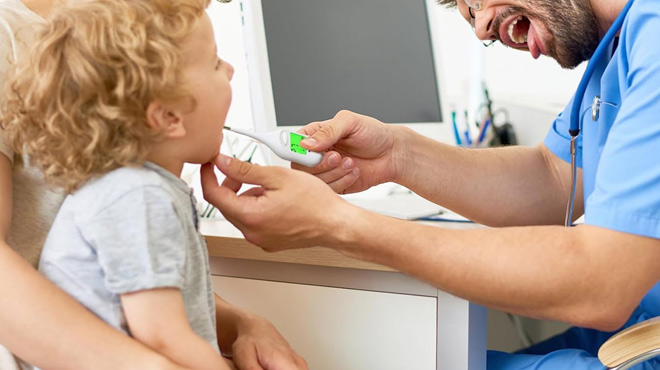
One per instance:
(537,89)
(227,26)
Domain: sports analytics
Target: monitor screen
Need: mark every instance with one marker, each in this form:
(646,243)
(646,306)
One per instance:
(309,59)
(370,56)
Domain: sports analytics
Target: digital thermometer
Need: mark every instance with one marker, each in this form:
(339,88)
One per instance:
(285,144)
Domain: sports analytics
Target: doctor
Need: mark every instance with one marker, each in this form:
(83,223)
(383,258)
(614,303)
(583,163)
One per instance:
(600,276)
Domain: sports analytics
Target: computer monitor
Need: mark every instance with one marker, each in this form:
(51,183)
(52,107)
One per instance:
(309,59)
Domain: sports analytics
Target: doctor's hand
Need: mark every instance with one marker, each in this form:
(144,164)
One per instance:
(287,210)
(361,151)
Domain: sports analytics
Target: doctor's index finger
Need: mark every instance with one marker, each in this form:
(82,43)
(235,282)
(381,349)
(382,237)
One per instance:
(330,161)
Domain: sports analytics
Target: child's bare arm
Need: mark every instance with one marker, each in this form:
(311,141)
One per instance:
(157,318)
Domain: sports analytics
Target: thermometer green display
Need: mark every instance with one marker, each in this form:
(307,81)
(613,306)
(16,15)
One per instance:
(285,144)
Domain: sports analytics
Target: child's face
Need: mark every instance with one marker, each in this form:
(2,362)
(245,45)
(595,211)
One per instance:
(208,78)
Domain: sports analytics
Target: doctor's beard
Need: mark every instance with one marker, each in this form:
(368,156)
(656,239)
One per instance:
(572,24)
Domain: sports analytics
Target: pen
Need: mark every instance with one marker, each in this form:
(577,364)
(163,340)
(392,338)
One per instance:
(482,133)
(468,141)
(456,135)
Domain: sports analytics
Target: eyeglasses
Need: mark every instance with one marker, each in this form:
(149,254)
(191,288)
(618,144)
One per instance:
(476,5)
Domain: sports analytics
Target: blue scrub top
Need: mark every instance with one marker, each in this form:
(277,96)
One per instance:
(619,153)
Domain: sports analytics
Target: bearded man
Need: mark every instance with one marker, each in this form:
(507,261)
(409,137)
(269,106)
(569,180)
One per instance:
(600,276)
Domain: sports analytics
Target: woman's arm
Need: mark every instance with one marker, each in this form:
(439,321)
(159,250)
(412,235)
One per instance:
(157,318)
(45,326)
(253,341)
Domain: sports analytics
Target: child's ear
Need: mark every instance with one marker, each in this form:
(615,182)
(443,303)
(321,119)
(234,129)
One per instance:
(163,119)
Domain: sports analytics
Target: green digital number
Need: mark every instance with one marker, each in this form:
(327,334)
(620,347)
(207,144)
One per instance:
(295,144)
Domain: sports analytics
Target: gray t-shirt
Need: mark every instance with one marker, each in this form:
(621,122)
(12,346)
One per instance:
(132,229)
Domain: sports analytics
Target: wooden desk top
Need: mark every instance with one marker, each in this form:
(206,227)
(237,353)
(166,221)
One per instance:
(224,240)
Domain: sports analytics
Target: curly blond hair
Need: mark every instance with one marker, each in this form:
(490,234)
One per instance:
(77,107)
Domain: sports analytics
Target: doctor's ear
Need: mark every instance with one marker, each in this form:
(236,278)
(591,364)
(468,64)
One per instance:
(165,120)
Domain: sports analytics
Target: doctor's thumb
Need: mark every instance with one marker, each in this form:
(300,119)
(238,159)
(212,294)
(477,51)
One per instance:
(322,139)
(245,172)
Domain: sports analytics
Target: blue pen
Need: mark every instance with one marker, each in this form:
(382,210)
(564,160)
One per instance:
(466,134)
(482,134)
(456,135)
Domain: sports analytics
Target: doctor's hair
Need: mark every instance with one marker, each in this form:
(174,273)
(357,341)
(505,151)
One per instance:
(78,106)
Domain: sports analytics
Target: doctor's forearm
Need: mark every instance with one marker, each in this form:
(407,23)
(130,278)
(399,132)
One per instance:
(547,272)
(496,187)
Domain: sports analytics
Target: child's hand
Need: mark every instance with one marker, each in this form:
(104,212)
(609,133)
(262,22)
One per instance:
(252,341)
(260,346)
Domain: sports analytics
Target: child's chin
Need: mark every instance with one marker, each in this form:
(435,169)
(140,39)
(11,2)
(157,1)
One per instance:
(212,157)
(204,159)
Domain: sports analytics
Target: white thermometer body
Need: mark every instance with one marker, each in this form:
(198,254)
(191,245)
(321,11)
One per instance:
(285,144)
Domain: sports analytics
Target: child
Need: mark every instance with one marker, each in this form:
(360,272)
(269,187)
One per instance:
(116,97)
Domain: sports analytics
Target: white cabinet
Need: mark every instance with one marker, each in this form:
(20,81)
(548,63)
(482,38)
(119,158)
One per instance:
(344,314)
(348,329)
(353,319)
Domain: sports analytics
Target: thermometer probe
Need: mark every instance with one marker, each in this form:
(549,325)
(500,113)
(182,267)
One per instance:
(285,144)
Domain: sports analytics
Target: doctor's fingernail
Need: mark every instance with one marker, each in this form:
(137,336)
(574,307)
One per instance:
(333,159)
(348,163)
(224,160)
(310,142)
